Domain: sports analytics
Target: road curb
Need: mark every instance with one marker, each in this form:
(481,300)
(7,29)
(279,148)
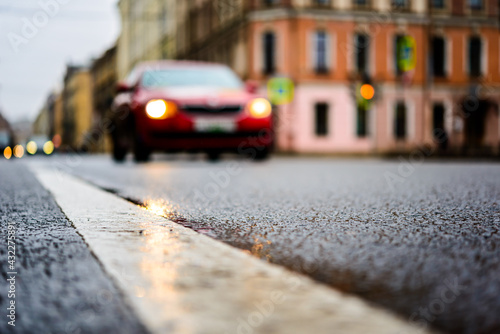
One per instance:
(179,281)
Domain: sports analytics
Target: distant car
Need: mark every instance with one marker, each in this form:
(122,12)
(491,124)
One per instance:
(39,144)
(189,106)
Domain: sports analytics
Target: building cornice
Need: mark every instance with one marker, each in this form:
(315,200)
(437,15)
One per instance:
(371,17)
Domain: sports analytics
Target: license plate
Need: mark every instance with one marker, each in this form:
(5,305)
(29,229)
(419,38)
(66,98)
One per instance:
(214,125)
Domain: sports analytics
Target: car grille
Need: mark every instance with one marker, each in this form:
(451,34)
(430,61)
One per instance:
(211,110)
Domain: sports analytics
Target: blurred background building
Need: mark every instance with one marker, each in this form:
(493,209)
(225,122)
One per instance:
(104,79)
(4,124)
(329,48)
(76,107)
(6,134)
(45,122)
(148,32)
(22,130)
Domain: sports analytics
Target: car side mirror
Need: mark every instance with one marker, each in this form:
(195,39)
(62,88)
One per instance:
(123,87)
(251,86)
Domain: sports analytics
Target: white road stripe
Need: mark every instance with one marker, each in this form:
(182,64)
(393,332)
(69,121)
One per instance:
(179,281)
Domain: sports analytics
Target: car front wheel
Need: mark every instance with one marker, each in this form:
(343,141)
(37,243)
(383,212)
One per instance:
(213,155)
(261,154)
(120,146)
(141,152)
(119,153)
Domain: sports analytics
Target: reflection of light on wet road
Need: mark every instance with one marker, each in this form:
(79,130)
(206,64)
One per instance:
(158,207)
(140,291)
(162,263)
(163,274)
(161,207)
(259,248)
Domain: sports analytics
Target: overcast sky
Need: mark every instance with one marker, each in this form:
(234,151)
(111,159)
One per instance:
(73,32)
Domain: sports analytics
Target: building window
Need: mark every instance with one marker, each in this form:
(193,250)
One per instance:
(321,52)
(400,121)
(475,56)
(438,119)
(269,47)
(438,4)
(164,20)
(438,56)
(362,45)
(476,4)
(321,119)
(397,50)
(322,2)
(361,3)
(362,121)
(270,2)
(400,4)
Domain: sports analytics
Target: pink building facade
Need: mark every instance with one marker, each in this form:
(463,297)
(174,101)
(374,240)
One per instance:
(448,101)
(425,108)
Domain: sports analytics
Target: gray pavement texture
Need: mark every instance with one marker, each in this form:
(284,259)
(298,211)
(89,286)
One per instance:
(420,239)
(60,286)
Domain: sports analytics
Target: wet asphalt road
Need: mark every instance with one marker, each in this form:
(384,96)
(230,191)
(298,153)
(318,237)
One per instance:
(59,286)
(421,240)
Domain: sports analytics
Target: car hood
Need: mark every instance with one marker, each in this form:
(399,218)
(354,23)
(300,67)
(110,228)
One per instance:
(197,96)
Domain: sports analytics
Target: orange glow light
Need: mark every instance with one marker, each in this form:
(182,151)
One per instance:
(260,108)
(57,141)
(367,91)
(161,109)
(18,151)
(7,153)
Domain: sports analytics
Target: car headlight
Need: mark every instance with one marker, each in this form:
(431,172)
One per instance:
(160,109)
(18,151)
(7,153)
(260,108)
(31,147)
(48,148)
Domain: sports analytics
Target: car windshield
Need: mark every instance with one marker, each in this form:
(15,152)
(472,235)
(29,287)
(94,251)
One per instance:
(218,77)
(39,139)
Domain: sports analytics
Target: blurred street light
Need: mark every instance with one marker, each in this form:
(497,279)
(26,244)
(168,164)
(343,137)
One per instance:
(18,151)
(31,147)
(367,91)
(7,153)
(48,148)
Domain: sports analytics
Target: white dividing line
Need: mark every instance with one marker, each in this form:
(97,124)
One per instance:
(179,281)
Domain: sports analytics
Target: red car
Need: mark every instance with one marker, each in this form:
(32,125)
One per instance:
(189,106)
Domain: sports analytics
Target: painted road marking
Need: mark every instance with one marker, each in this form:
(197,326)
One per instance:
(179,281)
